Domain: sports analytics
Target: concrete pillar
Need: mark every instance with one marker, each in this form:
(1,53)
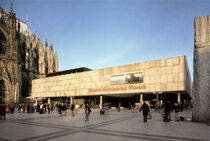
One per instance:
(101,102)
(141,99)
(157,103)
(119,104)
(95,101)
(178,97)
(35,100)
(201,63)
(48,100)
(71,100)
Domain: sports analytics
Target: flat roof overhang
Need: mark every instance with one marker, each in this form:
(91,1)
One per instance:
(133,94)
(76,70)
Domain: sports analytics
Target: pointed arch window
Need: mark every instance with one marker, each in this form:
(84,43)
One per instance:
(2,91)
(3,41)
(2,48)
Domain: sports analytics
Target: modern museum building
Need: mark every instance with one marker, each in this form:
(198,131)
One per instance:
(152,81)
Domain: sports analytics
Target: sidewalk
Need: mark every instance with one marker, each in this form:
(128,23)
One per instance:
(115,126)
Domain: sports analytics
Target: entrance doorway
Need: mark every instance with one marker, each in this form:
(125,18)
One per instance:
(125,101)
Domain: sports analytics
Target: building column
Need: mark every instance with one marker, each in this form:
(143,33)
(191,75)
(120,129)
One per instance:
(95,100)
(119,104)
(101,101)
(141,99)
(35,101)
(48,100)
(178,97)
(71,100)
(157,103)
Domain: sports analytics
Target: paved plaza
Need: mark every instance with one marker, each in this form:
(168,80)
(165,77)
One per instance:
(125,125)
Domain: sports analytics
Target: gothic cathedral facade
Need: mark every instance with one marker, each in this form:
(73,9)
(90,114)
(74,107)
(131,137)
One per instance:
(22,58)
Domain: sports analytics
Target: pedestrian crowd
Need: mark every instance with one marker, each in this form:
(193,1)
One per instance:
(176,107)
(61,108)
(6,108)
(166,114)
(31,108)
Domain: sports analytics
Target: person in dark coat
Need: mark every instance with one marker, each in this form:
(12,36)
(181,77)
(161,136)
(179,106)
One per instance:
(87,112)
(72,109)
(145,109)
(49,108)
(3,111)
(60,109)
(168,110)
(64,109)
(12,109)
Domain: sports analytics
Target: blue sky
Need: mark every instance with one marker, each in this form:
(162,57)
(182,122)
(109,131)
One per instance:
(104,33)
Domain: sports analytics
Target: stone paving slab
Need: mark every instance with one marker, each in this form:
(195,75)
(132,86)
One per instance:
(16,131)
(116,126)
(82,136)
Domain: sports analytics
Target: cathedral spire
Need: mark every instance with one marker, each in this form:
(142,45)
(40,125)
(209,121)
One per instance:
(56,53)
(11,8)
(27,19)
(19,25)
(11,12)
(51,47)
(35,36)
(39,37)
(46,44)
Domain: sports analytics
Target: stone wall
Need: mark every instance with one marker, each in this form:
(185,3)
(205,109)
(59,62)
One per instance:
(201,86)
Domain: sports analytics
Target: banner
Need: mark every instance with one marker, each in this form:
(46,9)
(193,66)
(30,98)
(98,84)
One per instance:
(127,78)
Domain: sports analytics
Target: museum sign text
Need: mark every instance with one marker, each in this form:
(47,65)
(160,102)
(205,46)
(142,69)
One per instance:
(121,88)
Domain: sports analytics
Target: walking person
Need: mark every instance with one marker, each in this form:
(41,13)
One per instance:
(177,110)
(145,109)
(87,112)
(133,107)
(72,109)
(12,109)
(168,109)
(60,109)
(49,108)
(3,111)
(19,108)
(119,105)
(64,109)
(41,109)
